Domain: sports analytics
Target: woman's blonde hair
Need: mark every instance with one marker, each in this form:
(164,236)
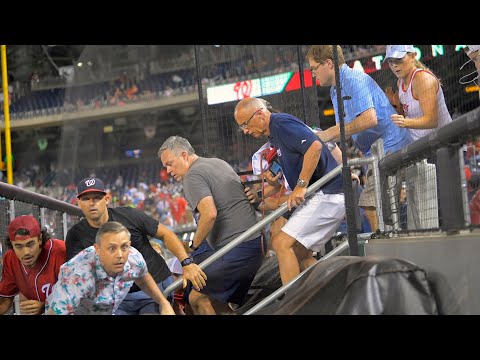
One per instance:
(419,65)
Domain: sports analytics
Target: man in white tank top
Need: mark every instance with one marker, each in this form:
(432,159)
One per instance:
(420,95)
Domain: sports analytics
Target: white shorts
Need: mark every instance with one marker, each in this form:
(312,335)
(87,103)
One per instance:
(315,221)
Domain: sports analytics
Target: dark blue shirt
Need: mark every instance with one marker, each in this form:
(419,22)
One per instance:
(292,138)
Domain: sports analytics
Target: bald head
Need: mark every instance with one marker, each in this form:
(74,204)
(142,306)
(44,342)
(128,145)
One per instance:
(247,106)
(253,117)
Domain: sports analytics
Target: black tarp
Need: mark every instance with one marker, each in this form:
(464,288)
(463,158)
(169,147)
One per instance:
(365,285)
(266,281)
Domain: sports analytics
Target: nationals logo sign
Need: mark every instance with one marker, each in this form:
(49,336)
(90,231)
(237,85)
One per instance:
(243,89)
(248,88)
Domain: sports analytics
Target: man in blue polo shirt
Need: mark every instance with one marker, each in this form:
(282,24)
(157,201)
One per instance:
(304,159)
(367,113)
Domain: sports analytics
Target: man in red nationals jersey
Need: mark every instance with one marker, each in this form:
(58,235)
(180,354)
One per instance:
(30,266)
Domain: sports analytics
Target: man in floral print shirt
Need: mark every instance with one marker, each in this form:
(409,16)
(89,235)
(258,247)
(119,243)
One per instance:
(101,276)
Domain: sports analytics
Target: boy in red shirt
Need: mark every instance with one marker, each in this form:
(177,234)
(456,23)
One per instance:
(31,266)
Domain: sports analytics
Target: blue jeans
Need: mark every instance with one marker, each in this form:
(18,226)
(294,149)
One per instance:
(139,303)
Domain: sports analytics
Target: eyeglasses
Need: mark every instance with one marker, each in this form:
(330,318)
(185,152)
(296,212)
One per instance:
(315,68)
(245,124)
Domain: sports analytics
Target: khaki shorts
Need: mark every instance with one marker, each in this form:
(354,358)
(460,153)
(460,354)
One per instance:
(367,197)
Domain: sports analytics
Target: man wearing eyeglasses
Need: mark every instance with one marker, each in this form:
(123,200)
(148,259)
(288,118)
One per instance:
(215,193)
(304,159)
(367,112)
(93,200)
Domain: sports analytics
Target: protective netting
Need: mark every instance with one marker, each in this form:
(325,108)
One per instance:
(107,111)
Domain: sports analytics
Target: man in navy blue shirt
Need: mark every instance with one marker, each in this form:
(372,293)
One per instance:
(304,159)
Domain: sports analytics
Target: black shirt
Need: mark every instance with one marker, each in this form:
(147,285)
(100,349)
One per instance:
(140,225)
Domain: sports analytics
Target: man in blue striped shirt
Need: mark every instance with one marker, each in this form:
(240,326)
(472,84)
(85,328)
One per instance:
(367,112)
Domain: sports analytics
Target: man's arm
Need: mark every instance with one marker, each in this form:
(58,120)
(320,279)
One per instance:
(364,121)
(310,162)
(208,214)
(191,272)
(5,303)
(273,204)
(337,155)
(147,284)
(268,191)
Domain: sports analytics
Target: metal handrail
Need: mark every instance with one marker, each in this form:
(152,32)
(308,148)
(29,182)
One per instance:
(13,192)
(271,217)
(239,239)
(280,291)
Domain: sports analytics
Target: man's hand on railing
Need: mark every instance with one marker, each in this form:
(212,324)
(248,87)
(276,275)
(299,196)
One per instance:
(296,197)
(194,274)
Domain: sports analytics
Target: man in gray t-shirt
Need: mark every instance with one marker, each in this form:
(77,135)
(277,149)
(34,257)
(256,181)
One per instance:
(223,212)
(216,178)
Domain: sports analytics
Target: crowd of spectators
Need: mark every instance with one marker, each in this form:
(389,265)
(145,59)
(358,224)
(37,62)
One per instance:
(135,86)
(160,197)
(149,193)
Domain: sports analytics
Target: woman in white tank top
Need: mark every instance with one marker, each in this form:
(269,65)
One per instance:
(421,102)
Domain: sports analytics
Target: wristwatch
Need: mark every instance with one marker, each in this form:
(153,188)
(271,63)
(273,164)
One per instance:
(302,183)
(187,261)
(190,245)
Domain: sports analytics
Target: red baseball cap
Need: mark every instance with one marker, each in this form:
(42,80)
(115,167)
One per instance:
(26,222)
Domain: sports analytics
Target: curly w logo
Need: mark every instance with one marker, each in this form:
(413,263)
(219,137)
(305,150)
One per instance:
(90,182)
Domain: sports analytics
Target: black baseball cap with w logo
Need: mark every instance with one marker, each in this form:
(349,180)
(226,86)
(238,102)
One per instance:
(90,185)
